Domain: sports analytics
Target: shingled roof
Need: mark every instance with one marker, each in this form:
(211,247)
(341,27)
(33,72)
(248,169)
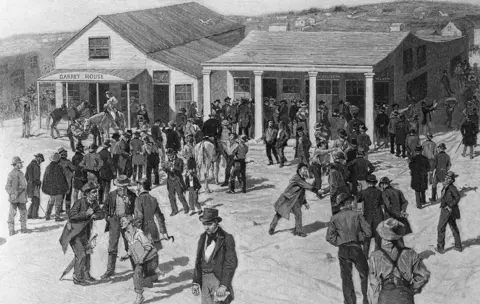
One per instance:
(312,48)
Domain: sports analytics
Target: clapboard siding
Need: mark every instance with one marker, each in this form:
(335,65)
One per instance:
(122,53)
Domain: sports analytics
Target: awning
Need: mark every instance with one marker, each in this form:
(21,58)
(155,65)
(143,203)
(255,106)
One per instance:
(91,75)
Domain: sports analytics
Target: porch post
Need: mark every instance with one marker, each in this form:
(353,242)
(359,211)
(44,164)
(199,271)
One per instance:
(369,119)
(230,86)
(312,116)
(66,94)
(206,94)
(128,104)
(38,106)
(258,104)
(98,98)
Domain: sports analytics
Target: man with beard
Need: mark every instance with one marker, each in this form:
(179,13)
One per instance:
(175,184)
(77,232)
(419,166)
(119,202)
(292,200)
(68,171)
(16,186)
(55,185)
(33,185)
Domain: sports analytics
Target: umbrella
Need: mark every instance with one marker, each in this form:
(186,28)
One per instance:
(89,249)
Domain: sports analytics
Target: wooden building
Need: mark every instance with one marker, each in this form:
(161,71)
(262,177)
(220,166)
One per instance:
(149,56)
(358,67)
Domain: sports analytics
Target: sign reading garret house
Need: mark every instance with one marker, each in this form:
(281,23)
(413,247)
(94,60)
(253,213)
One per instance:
(82,76)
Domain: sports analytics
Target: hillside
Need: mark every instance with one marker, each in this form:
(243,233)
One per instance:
(25,43)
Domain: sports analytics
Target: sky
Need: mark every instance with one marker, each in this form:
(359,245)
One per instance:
(39,16)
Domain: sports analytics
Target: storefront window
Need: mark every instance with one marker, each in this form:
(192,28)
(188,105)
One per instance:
(241,88)
(329,92)
(99,48)
(134,97)
(355,93)
(290,85)
(183,96)
(73,93)
(422,56)
(407,61)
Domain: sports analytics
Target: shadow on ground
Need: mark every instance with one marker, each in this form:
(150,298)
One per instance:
(2,241)
(310,228)
(426,254)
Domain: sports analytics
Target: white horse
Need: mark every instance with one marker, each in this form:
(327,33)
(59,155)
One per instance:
(104,122)
(208,158)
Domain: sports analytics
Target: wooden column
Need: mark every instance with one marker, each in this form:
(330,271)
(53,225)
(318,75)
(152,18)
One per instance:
(369,106)
(206,94)
(230,86)
(98,98)
(66,100)
(312,112)
(258,104)
(128,104)
(38,106)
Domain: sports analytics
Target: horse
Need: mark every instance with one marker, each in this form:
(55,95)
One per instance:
(206,156)
(81,112)
(104,122)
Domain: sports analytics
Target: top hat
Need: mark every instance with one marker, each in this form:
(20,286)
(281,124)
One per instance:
(209,215)
(418,149)
(340,155)
(122,181)
(371,178)
(226,98)
(17,160)
(391,229)
(385,180)
(61,150)
(429,135)
(40,155)
(342,198)
(55,157)
(89,187)
(452,175)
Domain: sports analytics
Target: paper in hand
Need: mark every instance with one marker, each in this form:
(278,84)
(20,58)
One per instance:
(220,299)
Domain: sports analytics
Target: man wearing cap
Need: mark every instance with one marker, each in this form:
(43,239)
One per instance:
(469,130)
(68,171)
(412,142)
(270,139)
(173,139)
(401,131)
(441,165)
(107,171)
(175,184)
(281,142)
(394,119)
(119,202)
(348,230)
(16,188)
(77,232)
(216,261)
(92,163)
(429,150)
(351,151)
(55,185)
(303,146)
(292,199)
(34,182)
(396,273)
(381,127)
(371,198)
(364,140)
(359,169)
(395,203)
(79,176)
(449,213)
(420,167)
(244,117)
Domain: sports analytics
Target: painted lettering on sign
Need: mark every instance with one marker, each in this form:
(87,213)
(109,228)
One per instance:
(328,76)
(78,76)
(382,79)
(82,76)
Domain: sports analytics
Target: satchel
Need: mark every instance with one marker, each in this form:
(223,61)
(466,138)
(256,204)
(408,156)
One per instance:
(137,252)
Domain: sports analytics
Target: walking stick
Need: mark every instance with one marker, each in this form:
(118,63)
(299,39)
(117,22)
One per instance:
(89,249)
(461,142)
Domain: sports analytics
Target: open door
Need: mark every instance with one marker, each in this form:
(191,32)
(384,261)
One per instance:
(161,107)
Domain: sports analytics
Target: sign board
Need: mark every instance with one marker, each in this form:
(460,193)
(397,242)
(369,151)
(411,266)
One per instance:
(382,78)
(82,76)
(328,76)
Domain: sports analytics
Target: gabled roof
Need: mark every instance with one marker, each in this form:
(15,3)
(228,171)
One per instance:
(461,23)
(189,57)
(156,29)
(312,48)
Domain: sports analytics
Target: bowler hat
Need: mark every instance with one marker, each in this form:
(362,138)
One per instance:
(116,135)
(209,215)
(418,149)
(385,180)
(371,178)
(122,181)
(137,132)
(413,132)
(225,122)
(40,155)
(342,198)
(391,229)
(55,157)
(340,155)
(442,146)
(16,160)
(89,187)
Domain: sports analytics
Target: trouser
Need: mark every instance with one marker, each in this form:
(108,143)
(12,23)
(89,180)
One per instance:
(401,150)
(239,171)
(251,130)
(448,122)
(71,140)
(420,198)
(57,201)
(154,168)
(68,199)
(137,172)
(26,128)
(144,271)
(243,131)
(82,259)
(333,202)
(392,143)
(228,167)
(281,155)
(271,148)
(33,209)
(13,212)
(210,284)
(447,218)
(373,220)
(348,255)
(104,189)
(465,151)
(174,187)
(427,128)
(297,211)
(114,232)
(303,157)
(193,199)
(435,182)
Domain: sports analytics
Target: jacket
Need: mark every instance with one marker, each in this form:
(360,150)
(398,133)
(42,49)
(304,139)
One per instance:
(304,145)
(337,182)
(79,176)
(244,115)
(419,167)
(181,120)
(382,122)
(359,168)
(282,139)
(108,168)
(138,158)
(364,142)
(412,142)
(441,165)
(173,140)
(395,203)
(224,261)
(240,151)
(293,194)
(211,128)
(16,186)
(372,204)
(196,182)
(292,112)
(451,198)
(348,227)
(157,134)
(469,132)
(33,179)
(401,131)
(110,205)
(54,180)
(392,124)
(283,114)
(68,170)
(270,136)
(146,209)
(91,162)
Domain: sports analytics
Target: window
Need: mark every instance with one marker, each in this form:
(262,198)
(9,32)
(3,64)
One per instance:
(329,91)
(241,88)
(407,61)
(18,79)
(73,93)
(134,94)
(449,28)
(417,87)
(99,48)
(33,62)
(355,93)
(161,77)
(421,56)
(3,68)
(183,96)
(291,85)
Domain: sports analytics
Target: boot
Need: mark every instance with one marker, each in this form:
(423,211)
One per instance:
(49,211)
(232,187)
(110,267)
(434,194)
(67,207)
(139,299)
(11,229)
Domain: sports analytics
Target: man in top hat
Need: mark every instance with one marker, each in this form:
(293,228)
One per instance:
(77,232)
(364,140)
(371,198)
(55,185)
(449,213)
(347,230)
(216,261)
(173,139)
(270,139)
(303,146)
(359,169)
(92,163)
(175,184)
(16,188)
(107,171)
(412,142)
(119,202)
(396,273)
(394,119)
(68,171)
(79,176)
(441,165)
(420,167)
(469,130)
(429,150)
(381,127)
(33,185)
(395,203)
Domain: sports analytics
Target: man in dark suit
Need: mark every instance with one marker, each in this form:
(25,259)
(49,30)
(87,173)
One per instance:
(78,229)
(33,185)
(107,170)
(419,166)
(118,203)
(216,261)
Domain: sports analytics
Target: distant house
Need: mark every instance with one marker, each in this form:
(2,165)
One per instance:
(281,17)
(397,27)
(311,21)
(300,22)
(452,28)
(278,27)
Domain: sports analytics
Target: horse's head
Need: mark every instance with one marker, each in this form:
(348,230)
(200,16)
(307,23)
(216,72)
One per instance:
(86,124)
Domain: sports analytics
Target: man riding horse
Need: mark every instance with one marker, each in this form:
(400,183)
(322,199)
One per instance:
(212,130)
(111,108)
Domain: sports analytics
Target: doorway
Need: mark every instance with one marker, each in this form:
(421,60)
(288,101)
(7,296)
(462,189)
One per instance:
(92,96)
(381,91)
(269,88)
(161,107)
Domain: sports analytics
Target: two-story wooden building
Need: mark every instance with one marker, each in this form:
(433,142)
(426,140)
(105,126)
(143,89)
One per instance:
(151,56)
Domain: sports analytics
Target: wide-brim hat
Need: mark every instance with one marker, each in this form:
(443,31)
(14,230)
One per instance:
(61,150)
(303,104)
(354,142)
(183,110)
(371,178)
(55,157)
(137,132)
(40,155)
(342,198)
(385,180)
(122,181)
(116,135)
(452,175)
(209,215)
(363,128)
(89,187)
(418,149)
(391,229)
(16,160)
(340,155)
(299,129)
(442,146)
(225,123)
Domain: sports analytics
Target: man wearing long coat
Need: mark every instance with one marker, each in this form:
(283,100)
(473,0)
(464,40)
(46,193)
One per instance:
(107,171)
(292,200)
(244,117)
(55,185)
(419,166)
(33,185)
(469,130)
(175,184)
(395,204)
(441,165)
